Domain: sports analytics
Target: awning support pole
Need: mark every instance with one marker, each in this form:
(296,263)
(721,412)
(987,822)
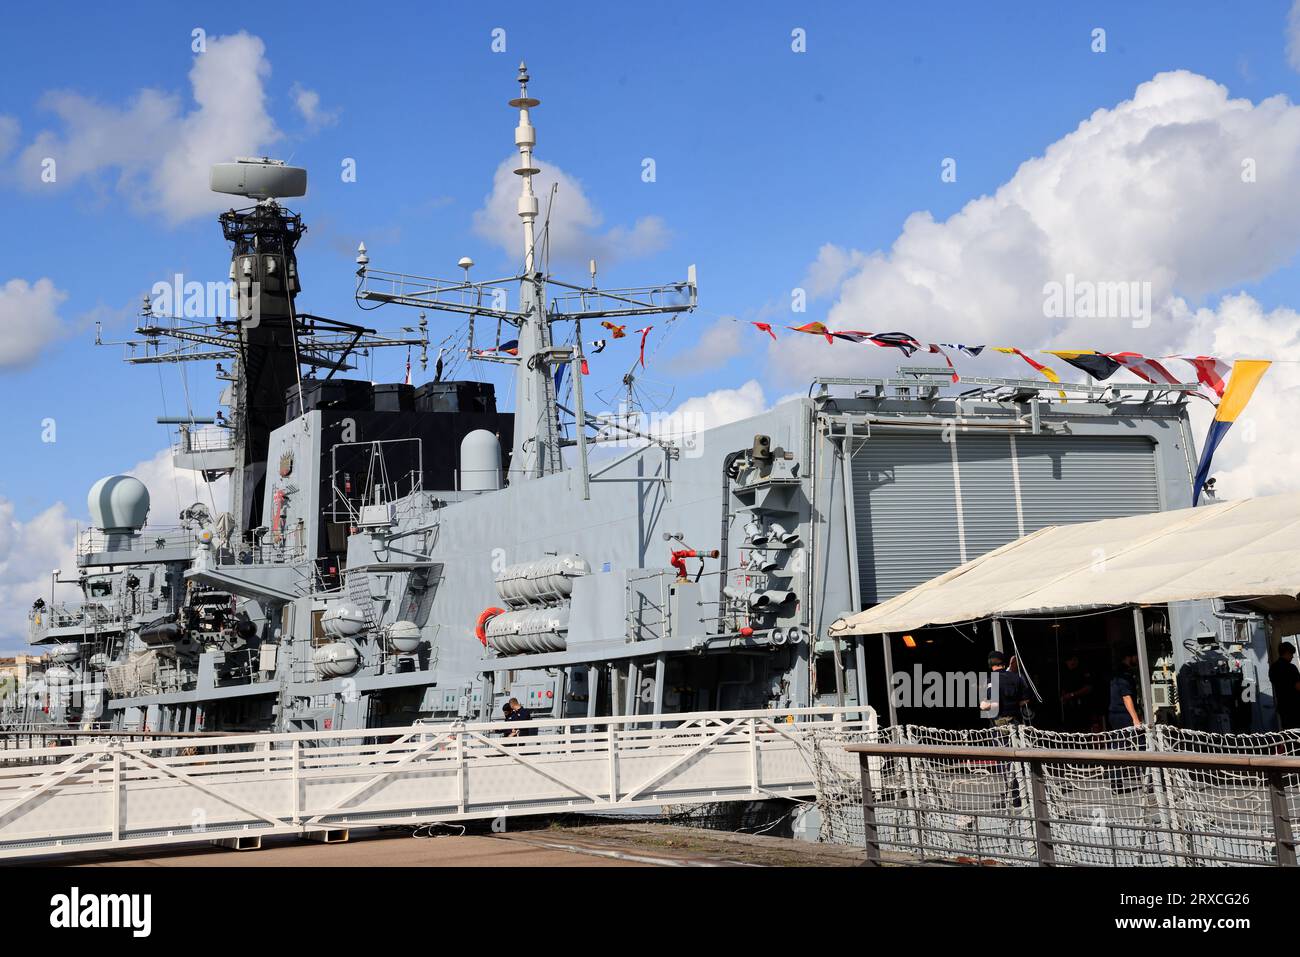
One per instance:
(997,634)
(889,680)
(1144,666)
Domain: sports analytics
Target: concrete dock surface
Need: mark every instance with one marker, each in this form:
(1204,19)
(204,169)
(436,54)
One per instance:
(584,845)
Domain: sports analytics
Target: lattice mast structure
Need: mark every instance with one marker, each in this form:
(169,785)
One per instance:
(543,301)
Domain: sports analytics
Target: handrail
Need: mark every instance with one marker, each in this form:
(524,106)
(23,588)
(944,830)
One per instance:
(208,739)
(1152,759)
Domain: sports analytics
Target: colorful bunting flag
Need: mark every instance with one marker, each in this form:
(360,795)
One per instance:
(511,347)
(598,346)
(1148,370)
(1210,372)
(814,329)
(644,332)
(897,340)
(617,331)
(972,351)
(1246,374)
(1096,364)
(764,327)
(1047,371)
(936,347)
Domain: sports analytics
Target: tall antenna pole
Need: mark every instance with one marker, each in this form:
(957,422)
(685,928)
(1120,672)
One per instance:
(537,434)
(525,140)
(538,444)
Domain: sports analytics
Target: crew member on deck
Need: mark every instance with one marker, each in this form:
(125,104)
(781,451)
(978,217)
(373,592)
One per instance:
(519,713)
(1076,696)
(1006,694)
(1285,678)
(1124,711)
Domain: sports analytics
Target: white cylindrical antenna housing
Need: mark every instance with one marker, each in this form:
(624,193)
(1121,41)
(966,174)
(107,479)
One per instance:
(480,462)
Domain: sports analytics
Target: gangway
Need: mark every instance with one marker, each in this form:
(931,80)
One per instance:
(118,793)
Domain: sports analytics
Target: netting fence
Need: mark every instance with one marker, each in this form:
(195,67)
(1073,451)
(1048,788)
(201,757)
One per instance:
(973,810)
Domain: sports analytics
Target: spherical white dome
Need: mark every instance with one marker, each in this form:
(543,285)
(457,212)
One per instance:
(118,503)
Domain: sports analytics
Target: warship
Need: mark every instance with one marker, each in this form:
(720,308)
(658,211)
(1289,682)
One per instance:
(393,553)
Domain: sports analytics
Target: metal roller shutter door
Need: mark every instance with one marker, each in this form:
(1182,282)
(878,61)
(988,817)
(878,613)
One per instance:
(906,513)
(1066,479)
(907,508)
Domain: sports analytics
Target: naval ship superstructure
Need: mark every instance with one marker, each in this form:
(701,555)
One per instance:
(393,553)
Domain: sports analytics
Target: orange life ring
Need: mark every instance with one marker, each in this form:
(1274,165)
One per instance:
(483,619)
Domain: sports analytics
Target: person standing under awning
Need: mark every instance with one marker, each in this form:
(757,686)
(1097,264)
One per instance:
(1285,678)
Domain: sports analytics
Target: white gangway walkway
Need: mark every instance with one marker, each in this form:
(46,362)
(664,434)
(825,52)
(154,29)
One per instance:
(115,794)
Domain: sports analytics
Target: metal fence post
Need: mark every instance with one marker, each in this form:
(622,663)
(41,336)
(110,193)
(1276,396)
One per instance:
(1042,823)
(296,804)
(117,796)
(613,763)
(870,834)
(1281,819)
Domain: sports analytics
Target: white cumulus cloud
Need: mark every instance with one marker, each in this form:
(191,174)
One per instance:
(715,346)
(30,550)
(29,319)
(156,149)
(9,132)
(575,233)
(1259,455)
(308,105)
(1181,187)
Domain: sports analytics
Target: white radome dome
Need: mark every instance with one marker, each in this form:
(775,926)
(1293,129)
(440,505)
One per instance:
(118,504)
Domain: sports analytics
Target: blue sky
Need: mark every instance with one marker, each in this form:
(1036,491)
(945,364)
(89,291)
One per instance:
(762,155)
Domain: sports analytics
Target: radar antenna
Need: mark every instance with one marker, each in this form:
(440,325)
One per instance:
(543,301)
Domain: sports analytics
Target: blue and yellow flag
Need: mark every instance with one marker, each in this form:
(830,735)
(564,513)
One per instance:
(1246,374)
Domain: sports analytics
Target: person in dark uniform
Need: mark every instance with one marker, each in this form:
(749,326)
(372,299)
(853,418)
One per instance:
(1125,699)
(1006,694)
(1285,678)
(1076,696)
(1124,713)
(518,712)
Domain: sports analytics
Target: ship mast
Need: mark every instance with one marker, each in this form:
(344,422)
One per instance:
(263,336)
(543,301)
(537,436)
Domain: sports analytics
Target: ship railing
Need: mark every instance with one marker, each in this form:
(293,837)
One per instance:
(1155,796)
(90,615)
(123,793)
(205,440)
(628,301)
(287,552)
(478,298)
(138,546)
(350,492)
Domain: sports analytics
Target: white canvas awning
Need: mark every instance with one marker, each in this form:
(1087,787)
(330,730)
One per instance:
(1247,549)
